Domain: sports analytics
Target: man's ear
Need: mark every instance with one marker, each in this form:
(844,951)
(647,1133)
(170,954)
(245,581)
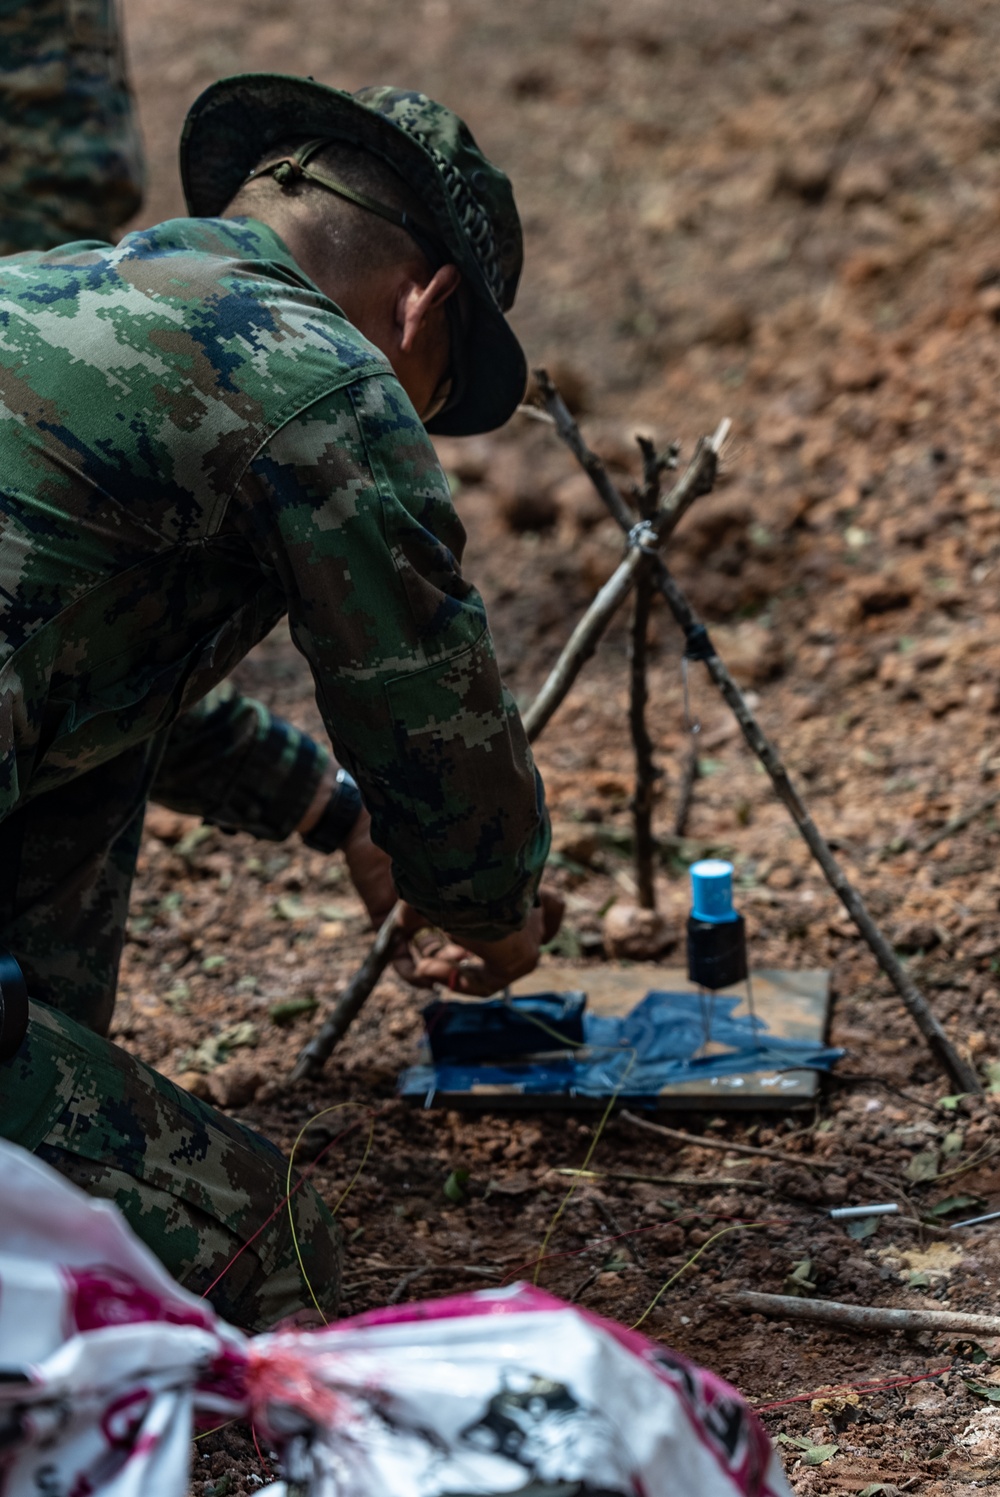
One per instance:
(415,303)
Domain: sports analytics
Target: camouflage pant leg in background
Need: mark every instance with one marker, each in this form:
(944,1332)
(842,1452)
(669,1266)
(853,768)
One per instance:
(192,1184)
(70,155)
(67,860)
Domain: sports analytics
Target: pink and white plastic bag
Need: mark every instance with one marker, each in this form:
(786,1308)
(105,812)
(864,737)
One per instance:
(106,1365)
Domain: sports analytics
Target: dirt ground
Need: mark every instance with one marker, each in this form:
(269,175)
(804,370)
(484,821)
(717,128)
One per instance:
(786,213)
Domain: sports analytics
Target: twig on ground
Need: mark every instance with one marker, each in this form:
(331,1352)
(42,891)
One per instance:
(863,1317)
(700,1182)
(699,647)
(404,1284)
(585,1284)
(981,1158)
(957,823)
(695,1141)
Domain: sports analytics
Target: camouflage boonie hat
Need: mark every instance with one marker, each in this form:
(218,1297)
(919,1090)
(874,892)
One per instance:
(469,200)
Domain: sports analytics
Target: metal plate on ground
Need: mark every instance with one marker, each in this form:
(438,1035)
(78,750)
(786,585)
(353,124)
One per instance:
(794,1005)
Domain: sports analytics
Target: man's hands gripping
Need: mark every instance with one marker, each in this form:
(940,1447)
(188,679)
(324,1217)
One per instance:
(426,957)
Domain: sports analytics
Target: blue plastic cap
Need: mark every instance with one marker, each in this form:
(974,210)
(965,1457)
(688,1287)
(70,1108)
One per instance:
(712,890)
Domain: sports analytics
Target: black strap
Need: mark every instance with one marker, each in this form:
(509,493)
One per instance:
(291,168)
(697,644)
(13,1006)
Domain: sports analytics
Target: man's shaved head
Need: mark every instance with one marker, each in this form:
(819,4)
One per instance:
(360,242)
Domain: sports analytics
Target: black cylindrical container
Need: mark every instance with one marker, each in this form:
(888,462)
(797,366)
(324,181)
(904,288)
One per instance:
(717,952)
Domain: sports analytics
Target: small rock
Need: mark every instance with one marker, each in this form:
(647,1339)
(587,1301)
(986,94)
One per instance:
(168,826)
(753,653)
(726,322)
(835,1190)
(525,499)
(698,1236)
(670,1238)
(863,181)
(873,595)
(916,935)
(804,174)
(198,1084)
(579,502)
(235,1084)
(856,372)
(635,934)
(799,1184)
(576,841)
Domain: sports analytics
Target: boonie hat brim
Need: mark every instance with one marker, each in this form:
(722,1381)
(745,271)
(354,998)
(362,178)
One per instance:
(235,121)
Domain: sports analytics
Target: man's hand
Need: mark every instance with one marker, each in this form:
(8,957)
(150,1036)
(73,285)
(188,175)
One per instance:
(479,968)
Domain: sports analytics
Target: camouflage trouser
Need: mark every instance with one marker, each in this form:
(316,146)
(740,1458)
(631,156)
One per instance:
(194,1185)
(67,858)
(70,155)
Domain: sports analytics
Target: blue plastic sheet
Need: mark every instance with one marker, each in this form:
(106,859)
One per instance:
(654,1046)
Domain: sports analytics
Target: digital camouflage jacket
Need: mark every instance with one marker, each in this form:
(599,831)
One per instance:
(194,441)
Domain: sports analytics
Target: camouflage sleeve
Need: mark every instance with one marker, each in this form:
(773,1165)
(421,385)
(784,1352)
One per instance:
(348,509)
(234,763)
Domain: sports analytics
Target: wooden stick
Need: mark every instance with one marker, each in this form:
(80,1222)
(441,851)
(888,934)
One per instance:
(313,1055)
(863,1317)
(959,822)
(961,1072)
(695,1141)
(646,772)
(699,1182)
(582,643)
(697,480)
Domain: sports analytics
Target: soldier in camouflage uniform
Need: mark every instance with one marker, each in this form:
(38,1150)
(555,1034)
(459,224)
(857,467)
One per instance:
(222,420)
(70,156)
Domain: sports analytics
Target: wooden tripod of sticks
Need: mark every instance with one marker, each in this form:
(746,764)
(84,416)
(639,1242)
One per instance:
(643,569)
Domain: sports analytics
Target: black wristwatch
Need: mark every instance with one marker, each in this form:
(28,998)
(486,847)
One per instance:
(338,817)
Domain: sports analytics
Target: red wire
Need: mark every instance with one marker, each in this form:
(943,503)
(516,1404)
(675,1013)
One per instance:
(260,1453)
(306,1175)
(876,1386)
